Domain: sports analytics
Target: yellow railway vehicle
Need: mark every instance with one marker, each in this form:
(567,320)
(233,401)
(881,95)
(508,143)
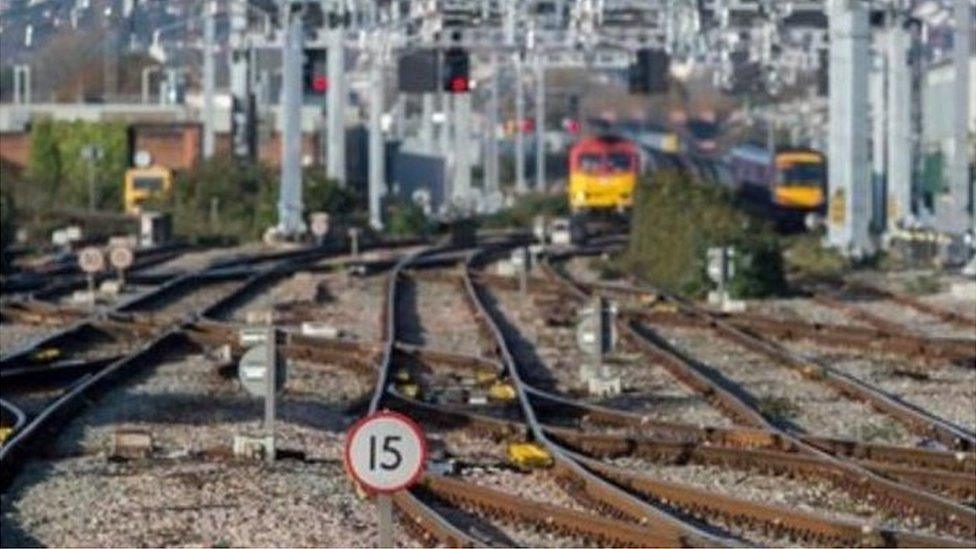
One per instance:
(602,174)
(151,183)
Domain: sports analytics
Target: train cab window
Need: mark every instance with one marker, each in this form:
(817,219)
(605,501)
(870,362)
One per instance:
(590,162)
(620,162)
(802,175)
(150,184)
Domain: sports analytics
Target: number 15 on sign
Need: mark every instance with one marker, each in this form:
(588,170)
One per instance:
(385,453)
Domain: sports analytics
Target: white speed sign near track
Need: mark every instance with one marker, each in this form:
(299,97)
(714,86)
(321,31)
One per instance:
(385,452)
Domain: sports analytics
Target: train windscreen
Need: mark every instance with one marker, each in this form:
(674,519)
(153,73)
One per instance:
(150,184)
(802,174)
(620,162)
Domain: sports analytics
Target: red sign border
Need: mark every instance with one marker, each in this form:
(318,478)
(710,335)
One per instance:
(385,414)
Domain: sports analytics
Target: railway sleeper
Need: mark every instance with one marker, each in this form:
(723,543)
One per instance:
(546,516)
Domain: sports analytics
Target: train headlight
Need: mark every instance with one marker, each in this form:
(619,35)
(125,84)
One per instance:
(580,196)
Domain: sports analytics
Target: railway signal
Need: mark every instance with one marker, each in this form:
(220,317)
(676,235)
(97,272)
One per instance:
(314,73)
(649,74)
(457,65)
(418,70)
(385,453)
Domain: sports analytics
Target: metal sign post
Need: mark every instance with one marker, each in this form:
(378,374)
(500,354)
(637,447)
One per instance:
(384,507)
(354,242)
(121,258)
(270,388)
(385,452)
(91,260)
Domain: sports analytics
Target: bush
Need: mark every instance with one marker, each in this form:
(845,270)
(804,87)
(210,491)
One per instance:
(809,259)
(676,219)
(222,200)
(406,218)
(527,207)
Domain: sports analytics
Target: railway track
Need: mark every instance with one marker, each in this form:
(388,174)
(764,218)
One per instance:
(906,500)
(603,501)
(636,516)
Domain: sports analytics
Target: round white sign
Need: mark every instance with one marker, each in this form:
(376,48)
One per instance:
(91,259)
(319,223)
(121,257)
(253,369)
(385,452)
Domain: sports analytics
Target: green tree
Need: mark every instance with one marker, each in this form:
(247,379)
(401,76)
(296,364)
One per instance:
(677,218)
(44,162)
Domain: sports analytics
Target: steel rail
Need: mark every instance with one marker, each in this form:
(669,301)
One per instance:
(20,418)
(744,437)
(623,504)
(944,315)
(959,485)
(799,525)
(420,515)
(915,418)
(845,474)
(807,526)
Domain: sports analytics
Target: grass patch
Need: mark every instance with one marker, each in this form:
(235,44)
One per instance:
(807,258)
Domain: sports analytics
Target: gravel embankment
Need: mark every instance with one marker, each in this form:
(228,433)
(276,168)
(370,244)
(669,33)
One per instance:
(14,335)
(435,315)
(783,394)
(808,495)
(350,303)
(552,353)
(192,408)
(945,390)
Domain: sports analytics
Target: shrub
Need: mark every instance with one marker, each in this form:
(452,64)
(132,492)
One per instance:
(676,219)
(406,218)
(809,259)
(527,208)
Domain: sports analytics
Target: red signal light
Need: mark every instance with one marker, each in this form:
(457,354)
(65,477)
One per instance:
(459,84)
(320,84)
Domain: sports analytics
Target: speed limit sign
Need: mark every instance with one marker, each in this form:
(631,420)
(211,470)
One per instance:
(385,452)
(121,257)
(91,260)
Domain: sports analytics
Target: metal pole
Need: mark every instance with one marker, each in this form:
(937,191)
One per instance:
(462,150)
(377,164)
(850,204)
(91,185)
(878,100)
(242,94)
(900,161)
(336,108)
(426,123)
(540,124)
(210,11)
(957,219)
(384,508)
(271,387)
(290,200)
(491,162)
(146,74)
(18,82)
(520,186)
